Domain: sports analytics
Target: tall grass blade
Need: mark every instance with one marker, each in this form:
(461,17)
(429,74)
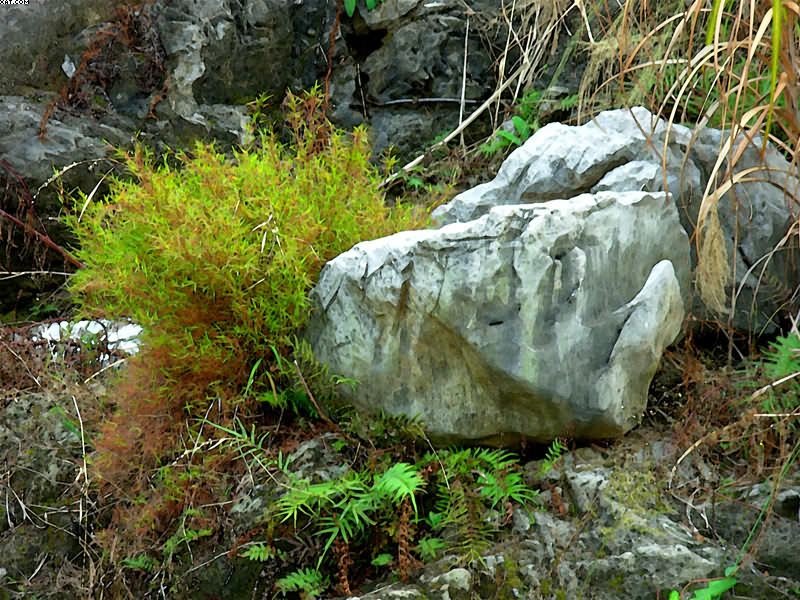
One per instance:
(777,12)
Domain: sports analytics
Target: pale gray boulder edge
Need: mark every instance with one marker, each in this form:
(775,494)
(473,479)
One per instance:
(534,320)
(623,150)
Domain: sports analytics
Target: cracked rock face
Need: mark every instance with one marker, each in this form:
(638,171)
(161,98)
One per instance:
(534,320)
(624,150)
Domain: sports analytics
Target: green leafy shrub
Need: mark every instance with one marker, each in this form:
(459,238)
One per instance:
(217,258)
(214,260)
(503,138)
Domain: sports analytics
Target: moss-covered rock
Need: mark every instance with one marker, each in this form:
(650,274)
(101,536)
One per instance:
(39,521)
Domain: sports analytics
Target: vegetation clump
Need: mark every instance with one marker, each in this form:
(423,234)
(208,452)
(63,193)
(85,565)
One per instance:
(382,512)
(214,260)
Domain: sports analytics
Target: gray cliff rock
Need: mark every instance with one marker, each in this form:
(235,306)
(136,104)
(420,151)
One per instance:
(195,64)
(36,36)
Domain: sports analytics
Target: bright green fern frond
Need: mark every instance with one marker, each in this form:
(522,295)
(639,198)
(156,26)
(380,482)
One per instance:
(306,499)
(399,482)
(554,452)
(496,459)
(784,357)
(310,582)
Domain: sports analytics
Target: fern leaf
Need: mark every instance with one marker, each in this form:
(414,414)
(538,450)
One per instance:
(400,481)
(309,581)
(784,357)
(259,552)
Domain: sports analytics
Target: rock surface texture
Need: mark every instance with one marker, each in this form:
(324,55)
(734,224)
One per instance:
(170,72)
(543,304)
(607,528)
(612,530)
(532,321)
(621,151)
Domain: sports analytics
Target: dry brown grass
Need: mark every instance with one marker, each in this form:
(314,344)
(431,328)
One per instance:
(736,70)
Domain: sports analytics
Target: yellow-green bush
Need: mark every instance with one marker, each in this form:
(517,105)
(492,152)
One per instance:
(214,260)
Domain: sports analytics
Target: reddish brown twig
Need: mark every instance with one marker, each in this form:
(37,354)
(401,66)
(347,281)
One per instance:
(45,239)
(334,31)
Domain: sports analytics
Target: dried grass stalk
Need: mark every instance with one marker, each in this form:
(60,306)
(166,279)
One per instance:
(713,266)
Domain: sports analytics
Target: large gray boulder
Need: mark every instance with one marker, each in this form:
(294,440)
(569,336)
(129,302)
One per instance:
(532,321)
(622,150)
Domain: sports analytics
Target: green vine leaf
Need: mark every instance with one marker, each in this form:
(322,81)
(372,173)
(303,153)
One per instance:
(510,137)
(522,127)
